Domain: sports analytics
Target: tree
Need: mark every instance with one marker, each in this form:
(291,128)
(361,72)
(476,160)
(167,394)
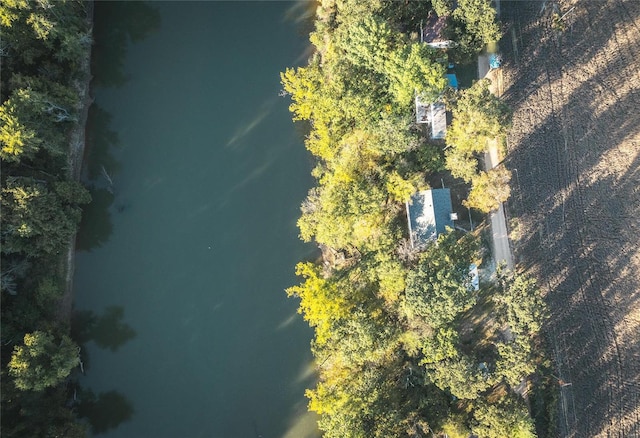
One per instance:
(515,360)
(42,362)
(18,141)
(442,7)
(509,418)
(406,67)
(44,31)
(439,290)
(461,164)
(489,189)
(9,11)
(460,376)
(320,301)
(344,213)
(43,414)
(442,345)
(303,84)
(392,134)
(478,116)
(39,219)
(520,310)
(399,188)
(412,69)
(30,118)
(473,25)
(519,303)
(368,43)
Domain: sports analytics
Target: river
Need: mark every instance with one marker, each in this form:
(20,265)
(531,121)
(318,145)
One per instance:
(183,258)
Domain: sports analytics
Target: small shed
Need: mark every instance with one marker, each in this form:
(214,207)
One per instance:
(429,212)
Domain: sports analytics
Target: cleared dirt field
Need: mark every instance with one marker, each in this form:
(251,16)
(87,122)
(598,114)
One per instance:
(575,206)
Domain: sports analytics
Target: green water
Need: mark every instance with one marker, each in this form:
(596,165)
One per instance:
(181,270)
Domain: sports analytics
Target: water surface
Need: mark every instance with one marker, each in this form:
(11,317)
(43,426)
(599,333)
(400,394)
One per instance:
(180,278)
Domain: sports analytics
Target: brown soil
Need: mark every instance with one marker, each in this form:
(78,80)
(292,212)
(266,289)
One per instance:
(575,144)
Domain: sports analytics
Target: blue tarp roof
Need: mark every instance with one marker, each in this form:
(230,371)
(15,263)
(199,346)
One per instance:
(429,213)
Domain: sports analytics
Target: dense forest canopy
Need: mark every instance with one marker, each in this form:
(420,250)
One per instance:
(404,344)
(44,44)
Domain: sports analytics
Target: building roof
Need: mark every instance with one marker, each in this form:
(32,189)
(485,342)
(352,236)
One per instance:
(438,120)
(428,214)
(435,114)
(432,32)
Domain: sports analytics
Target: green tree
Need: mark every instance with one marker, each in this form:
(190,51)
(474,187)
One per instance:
(399,188)
(45,31)
(461,164)
(473,25)
(30,119)
(320,301)
(367,43)
(442,7)
(519,303)
(406,67)
(489,189)
(41,414)
(40,219)
(442,345)
(42,362)
(345,214)
(413,69)
(515,360)
(460,376)
(521,311)
(439,290)
(18,141)
(391,134)
(478,116)
(509,418)
(303,84)
(10,11)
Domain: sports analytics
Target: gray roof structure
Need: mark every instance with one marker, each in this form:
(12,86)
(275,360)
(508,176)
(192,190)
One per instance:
(438,120)
(432,32)
(434,113)
(428,214)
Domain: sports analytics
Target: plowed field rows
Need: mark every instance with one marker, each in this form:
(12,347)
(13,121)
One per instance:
(575,209)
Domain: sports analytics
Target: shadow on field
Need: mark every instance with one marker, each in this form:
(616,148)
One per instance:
(575,147)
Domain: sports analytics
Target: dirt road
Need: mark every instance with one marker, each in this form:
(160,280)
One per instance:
(497,220)
(574,84)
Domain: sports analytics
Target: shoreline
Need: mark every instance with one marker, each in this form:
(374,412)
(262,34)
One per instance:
(75,158)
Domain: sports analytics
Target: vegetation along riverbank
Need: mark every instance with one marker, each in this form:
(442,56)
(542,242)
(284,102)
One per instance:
(408,342)
(45,50)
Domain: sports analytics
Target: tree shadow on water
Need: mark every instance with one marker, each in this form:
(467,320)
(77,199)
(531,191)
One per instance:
(104,411)
(99,174)
(116,25)
(95,225)
(101,140)
(106,330)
